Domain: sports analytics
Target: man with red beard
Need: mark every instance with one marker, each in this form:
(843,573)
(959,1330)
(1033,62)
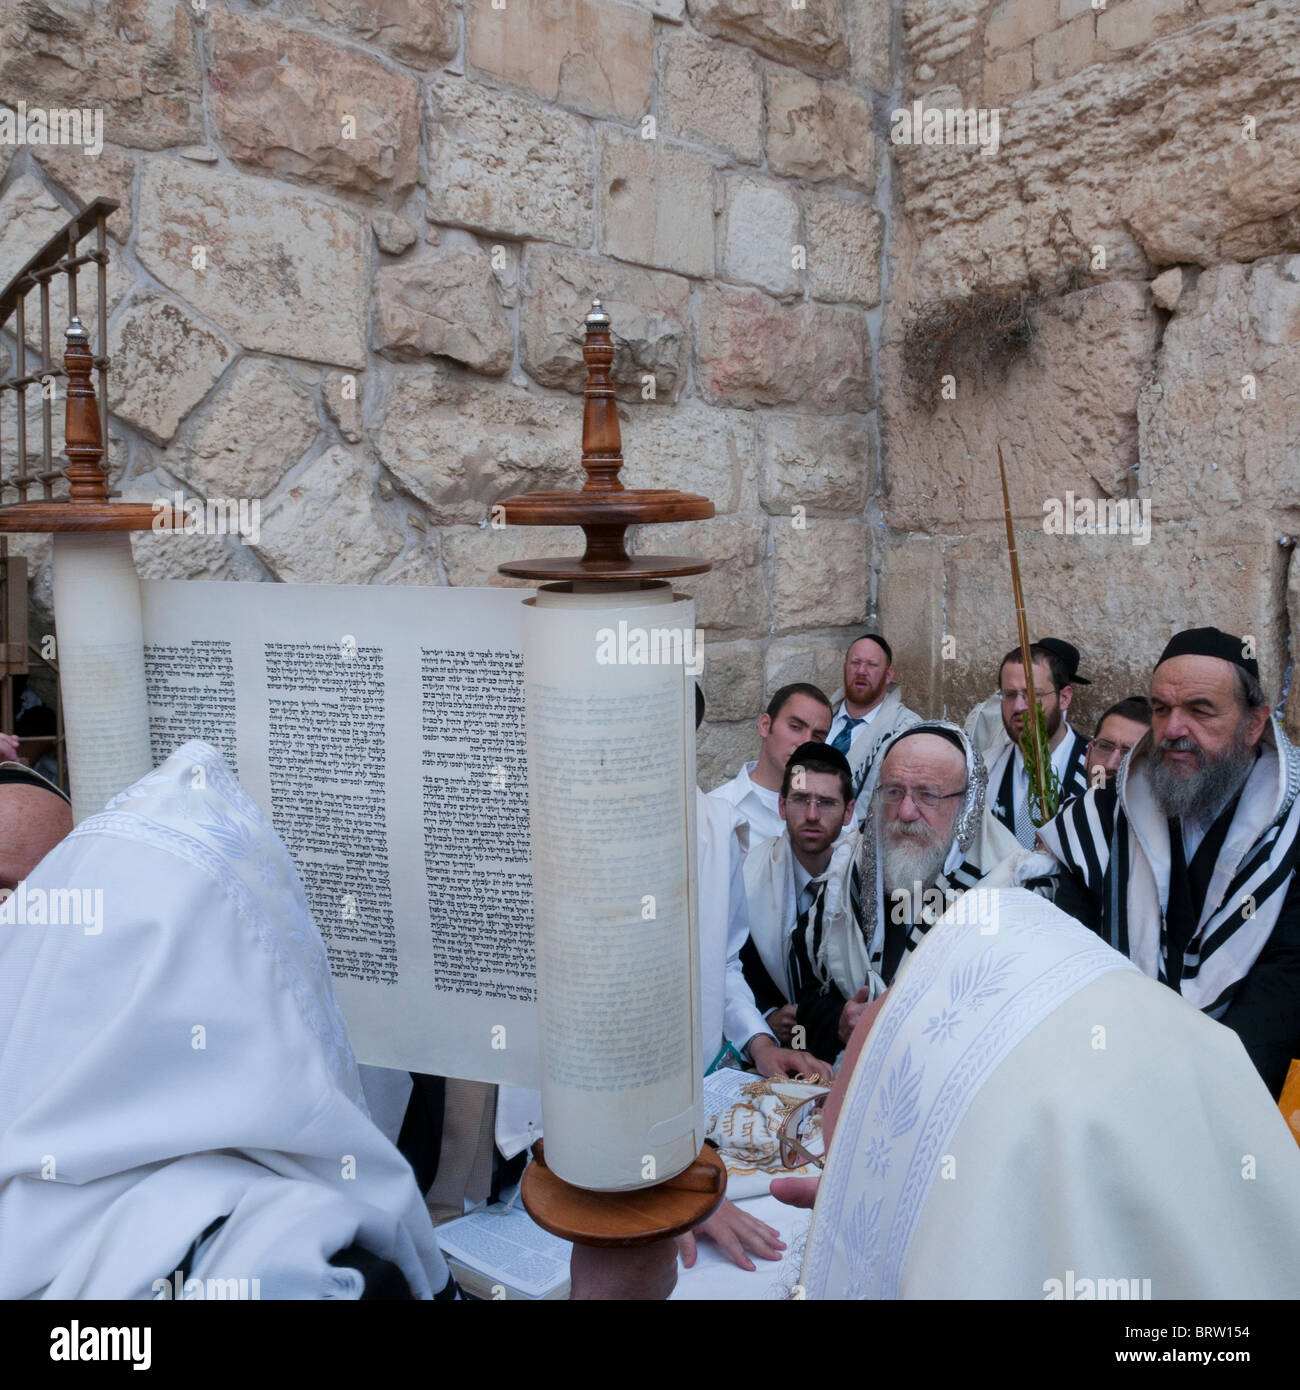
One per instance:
(1186,861)
(871,712)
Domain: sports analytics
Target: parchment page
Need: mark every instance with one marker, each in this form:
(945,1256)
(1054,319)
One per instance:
(382,732)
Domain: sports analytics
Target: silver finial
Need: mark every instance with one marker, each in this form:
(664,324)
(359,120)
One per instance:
(598,318)
(77,331)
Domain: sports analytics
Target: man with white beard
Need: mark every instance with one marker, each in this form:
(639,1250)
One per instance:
(1186,861)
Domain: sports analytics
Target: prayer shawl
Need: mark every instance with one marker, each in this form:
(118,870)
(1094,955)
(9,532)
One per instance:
(770,889)
(1002,781)
(187,1063)
(892,718)
(1030,1117)
(1115,840)
(859,955)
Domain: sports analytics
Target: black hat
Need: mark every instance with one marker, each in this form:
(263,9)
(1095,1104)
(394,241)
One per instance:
(1067,655)
(20,774)
(1210,641)
(878,640)
(823,754)
(939,731)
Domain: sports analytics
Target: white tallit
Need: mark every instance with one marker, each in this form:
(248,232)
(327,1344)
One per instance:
(188,1062)
(1030,1112)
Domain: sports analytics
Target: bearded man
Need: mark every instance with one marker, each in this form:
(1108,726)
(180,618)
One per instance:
(1186,861)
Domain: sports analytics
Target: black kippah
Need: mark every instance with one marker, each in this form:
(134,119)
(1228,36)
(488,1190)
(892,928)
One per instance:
(878,640)
(24,776)
(813,753)
(937,729)
(1209,641)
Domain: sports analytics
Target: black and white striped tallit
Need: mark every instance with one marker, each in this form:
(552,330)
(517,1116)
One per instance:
(1002,785)
(1115,840)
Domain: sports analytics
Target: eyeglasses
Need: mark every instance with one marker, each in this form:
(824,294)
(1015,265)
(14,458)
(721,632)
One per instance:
(801,801)
(800,1127)
(1105,747)
(1009,697)
(894,796)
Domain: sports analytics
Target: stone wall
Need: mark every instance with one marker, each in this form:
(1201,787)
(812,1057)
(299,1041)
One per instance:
(357,240)
(1144,203)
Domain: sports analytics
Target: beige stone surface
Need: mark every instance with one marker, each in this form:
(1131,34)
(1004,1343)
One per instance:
(1066,415)
(284,102)
(343,395)
(137,60)
(444,305)
(1066,50)
(285,271)
(500,164)
(597,55)
(1206,448)
(691,448)
(471,554)
(818,130)
(649,323)
(1014,22)
(109,174)
(813,36)
(671,10)
(393,232)
(1170,181)
(911,597)
(165,360)
(258,425)
(327,526)
(1008,74)
(757,235)
(1167,287)
(870,24)
(721,749)
(817,660)
(504,259)
(732,597)
(1119,603)
(844,239)
(656,204)
(458,445)
(937,31)
(819,465)
(1134,22)
(711,93)
(29,215)
(733,680)
(750,350)
(185,554)
(419,32)
(821,575)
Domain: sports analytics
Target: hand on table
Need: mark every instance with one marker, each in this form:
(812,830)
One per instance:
(736,1232)
(771,1060)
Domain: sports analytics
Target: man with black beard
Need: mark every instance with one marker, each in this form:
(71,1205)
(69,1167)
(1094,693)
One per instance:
(1186,861)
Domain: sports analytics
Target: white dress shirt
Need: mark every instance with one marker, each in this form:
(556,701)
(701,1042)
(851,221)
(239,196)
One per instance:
(758,805)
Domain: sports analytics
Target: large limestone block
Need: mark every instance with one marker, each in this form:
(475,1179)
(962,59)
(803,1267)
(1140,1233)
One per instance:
(711,93)
(29,216)
(721,750)
(500,164)
(733,680)
(165,360)
(812,36)
(821,573)
(912,621)
(936,31)
(819,131)
(168,554)
(844,239)
(816,465)
(1066,416)
(282,272)
(597,55)
(109,174)
(256,428)
(757,236)
(753,351)
(1014,22)
(1142,156)
(1220,424)
(649,323)
(445,305)
(419,32)
(870,29)
(459,446)
(1119,603)
(691,448)
(656,204)
(136,60)
(732,596)
(327,526)
(817,660)
(471,554)
(300,107)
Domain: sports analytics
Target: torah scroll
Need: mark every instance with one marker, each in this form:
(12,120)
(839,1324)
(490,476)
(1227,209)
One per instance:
(611,778)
